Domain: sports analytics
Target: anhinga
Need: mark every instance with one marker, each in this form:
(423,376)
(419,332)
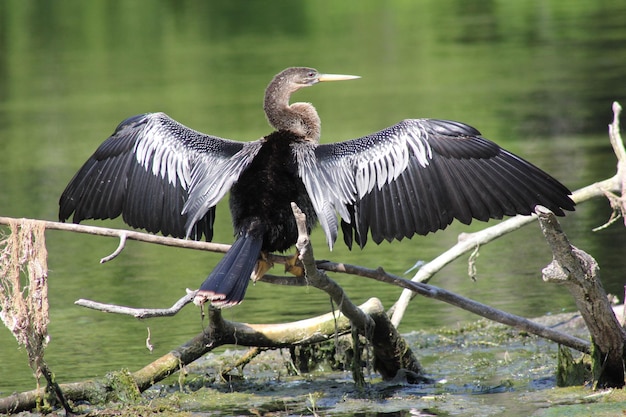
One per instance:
(413,177)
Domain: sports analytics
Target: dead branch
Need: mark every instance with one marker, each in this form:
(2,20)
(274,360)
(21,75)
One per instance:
(140,313)
(123,235)
(219,332)
(379,274)
(464,303)
(324,283)
(579,272)
(391,352)
(319,280)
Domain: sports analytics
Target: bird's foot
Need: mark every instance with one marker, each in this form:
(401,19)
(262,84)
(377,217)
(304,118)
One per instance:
(294,266)
(262,266)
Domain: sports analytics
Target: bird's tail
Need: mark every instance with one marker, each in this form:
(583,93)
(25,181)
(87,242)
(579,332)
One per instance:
(227,283)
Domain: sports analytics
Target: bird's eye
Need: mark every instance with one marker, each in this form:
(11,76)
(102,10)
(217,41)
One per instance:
(311,74)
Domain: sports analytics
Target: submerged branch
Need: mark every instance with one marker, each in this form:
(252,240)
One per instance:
(219,332)
(391,352)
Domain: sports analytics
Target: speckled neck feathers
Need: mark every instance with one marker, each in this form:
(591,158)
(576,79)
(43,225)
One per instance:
(299,118)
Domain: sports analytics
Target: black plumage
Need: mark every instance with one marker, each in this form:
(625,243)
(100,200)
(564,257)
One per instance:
(414,177)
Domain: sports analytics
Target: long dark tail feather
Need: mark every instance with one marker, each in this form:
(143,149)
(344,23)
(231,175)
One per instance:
(227,283)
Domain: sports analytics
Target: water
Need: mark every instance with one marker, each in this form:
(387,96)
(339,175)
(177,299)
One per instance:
(538,77)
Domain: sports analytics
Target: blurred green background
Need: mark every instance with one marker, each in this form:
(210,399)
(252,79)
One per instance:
(538,77)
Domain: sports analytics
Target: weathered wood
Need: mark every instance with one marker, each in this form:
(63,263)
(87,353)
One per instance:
(218,332)
(464,303)
(579,272)
(391,353)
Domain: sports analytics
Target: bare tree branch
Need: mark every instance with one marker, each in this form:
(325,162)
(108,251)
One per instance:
(580,273)
(320,280)
(467,304)
(391,352)
(219,332)
(411,287)
(130,234)
(140,313)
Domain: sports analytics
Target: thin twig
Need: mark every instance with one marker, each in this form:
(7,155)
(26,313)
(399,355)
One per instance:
(117,251)
(140,313)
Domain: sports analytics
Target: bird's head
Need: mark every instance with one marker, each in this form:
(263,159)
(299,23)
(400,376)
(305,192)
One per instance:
(299,118)
(295,78)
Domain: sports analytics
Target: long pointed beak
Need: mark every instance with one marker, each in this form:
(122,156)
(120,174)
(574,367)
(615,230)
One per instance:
(336,77)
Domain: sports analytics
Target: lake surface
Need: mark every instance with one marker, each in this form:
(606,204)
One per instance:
(538,77)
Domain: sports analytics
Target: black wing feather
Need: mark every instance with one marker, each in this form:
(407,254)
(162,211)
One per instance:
(420,175)
(144,172)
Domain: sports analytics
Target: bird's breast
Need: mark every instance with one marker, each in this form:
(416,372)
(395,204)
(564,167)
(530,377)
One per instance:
(264,191)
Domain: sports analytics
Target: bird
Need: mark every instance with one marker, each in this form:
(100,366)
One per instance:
(414,177)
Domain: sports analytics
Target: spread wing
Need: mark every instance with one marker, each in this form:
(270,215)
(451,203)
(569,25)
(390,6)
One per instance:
(417,177)
(159,175)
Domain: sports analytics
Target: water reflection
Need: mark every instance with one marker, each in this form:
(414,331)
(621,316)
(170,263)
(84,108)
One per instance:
(538,77)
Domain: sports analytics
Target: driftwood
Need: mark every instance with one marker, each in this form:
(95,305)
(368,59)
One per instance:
(579,272)
(218,332)
(391,352)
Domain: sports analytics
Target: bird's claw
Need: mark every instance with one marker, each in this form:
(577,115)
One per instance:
(293,265)
(262,266)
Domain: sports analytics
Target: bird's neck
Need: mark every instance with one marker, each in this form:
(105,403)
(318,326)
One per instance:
(299,118)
